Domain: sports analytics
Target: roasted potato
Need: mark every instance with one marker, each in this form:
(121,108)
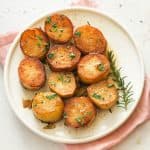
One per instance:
(63,57)
(79,112)
(93,68)
(89,39)
(104,94)
(47,107)
(34,43)
(59,28)
(31,73)
(63,83)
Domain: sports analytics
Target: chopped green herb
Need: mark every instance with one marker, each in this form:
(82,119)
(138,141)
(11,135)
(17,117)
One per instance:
(110,85)
(50,126)
(39,44)
(64,78)
(61,30)
(47,45)
(72,55)
(50,97)
(77,33)
(48,19)
(50,55)
(97,96)
(35,105)
(89,113)
(101,67)
(54,27)
(80,120)
(88,23)
(39,38)
(52,83)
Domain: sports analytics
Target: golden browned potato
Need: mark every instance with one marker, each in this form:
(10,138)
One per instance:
(89,39)
(59,28)
(93,68)
(104,94)
(31,73)
(34,43)
(79,112)
(63,83)
(47,107)
(63,58)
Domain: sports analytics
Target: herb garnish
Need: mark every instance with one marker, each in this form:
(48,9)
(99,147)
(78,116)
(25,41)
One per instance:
(54,27)
(50,55)
(110,85)
(80,120)
(88,23)
(50,126)
(48,19)
(97,96)
(47,45)
(50,97)
(101,67)
(77,33)
(125,90)
(72,55)
(61,30)
(39,38)
(64,78)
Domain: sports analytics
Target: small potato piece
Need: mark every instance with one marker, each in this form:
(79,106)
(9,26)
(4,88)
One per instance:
(89,39)
(93,68)
(63,83)
(103,94)
(59,28)
(47,107)
(34,43)
(31,73)
(63,57)
(79,112)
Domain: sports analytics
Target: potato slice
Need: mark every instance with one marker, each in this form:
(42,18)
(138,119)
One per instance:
(90,39)
(63,58)
(93,68)
(59,28)
(34,43)
(79,112)
(63,83)
(31,73)
(47,107)
(104,94)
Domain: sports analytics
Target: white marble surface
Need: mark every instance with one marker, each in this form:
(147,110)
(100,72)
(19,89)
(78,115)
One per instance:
(15,14)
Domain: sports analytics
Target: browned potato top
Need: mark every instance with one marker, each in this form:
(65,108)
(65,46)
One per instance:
(63,83)
(59,28)
(89,39)
(103,94)
(93,68)
(31,73)
(34,43)
(63,57)
(47,106)
(79,111)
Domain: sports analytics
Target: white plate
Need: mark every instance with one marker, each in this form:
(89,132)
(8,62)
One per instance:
(129,59)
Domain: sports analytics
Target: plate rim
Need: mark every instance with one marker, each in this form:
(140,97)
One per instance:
(10,52)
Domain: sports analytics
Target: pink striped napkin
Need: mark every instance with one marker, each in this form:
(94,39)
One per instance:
(140,115)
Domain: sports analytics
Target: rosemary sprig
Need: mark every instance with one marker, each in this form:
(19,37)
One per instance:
(125,90)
